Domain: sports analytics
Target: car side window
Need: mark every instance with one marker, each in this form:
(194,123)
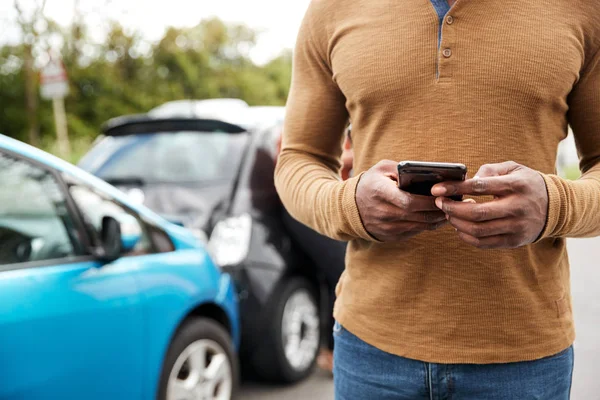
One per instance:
(94,207)
(162,242)
(35,224)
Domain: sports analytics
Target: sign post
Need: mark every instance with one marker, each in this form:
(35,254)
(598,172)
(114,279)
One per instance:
(55,86)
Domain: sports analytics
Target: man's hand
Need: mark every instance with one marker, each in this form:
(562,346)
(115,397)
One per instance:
(390,214)
(515,217)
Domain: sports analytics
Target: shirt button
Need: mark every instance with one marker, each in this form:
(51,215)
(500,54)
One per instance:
(449,19)
(447,53)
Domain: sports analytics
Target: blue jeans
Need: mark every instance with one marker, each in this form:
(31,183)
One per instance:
(361,371)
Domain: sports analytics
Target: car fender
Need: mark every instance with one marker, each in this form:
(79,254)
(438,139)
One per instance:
(173,286)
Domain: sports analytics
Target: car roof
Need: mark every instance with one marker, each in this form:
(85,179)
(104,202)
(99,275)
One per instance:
(146,123)
(220,109)
(33,153)
(224,115)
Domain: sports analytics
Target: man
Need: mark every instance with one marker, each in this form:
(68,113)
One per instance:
(444,299)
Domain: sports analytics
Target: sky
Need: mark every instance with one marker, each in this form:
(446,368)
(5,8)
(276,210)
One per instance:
(277,20)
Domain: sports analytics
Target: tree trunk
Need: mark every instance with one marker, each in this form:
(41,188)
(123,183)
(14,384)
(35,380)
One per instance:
(31,97)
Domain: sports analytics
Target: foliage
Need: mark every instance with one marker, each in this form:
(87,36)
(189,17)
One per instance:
(572,172)
(126,74)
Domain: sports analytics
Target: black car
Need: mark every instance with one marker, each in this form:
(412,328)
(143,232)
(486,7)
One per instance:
(216,178)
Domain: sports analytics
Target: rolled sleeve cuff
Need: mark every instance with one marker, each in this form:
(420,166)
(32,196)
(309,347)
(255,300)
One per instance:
(350,210)
(556,207)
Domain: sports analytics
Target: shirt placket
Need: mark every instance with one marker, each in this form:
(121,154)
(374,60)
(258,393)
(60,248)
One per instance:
(441,8)
(447,49)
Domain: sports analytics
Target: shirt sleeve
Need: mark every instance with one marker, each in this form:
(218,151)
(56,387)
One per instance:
(574,206)
(307,173)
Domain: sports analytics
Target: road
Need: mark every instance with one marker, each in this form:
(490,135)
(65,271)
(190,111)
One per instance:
(585,283)
(318,387)
(585,279)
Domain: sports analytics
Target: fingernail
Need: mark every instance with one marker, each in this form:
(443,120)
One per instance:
(438,191)
(439,202)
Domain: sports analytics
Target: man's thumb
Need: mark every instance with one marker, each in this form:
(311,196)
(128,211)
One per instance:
(388,168)
(499,169)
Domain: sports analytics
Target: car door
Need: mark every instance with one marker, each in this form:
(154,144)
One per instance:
(70,326)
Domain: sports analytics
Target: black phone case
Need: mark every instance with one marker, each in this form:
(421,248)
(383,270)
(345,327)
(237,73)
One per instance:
(419,177)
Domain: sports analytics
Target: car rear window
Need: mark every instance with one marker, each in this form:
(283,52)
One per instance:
(169,157)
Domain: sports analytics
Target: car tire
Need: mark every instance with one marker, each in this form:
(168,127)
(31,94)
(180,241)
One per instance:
(179,376)
(271,361)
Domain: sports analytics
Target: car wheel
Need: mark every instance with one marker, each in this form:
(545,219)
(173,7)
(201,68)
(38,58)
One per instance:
(200,364)
(289,350)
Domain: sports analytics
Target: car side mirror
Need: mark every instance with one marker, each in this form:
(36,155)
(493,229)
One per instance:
(110,237)
(118,235)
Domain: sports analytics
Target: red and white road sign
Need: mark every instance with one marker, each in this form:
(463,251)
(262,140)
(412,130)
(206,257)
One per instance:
(53,80)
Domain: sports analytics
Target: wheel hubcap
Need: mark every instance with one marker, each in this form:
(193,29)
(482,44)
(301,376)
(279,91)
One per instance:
(300,327)
(202,372)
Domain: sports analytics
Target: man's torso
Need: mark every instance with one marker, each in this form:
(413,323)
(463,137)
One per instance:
(494,88)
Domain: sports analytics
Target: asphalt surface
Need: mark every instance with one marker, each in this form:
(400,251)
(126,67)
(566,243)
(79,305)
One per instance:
(585,279)
(585,284)
(318,387)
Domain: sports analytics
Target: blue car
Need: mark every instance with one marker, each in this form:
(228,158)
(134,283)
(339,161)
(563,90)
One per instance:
(102,299)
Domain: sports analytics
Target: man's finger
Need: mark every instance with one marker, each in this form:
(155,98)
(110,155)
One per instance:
(479,212)
(496,186)
(483,229)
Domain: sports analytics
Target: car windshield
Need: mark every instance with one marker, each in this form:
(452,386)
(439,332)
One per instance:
(167,157)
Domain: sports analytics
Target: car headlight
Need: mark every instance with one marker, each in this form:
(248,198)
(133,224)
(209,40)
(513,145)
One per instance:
(230,240)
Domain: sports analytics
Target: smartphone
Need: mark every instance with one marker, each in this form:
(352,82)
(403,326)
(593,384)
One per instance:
(418,177)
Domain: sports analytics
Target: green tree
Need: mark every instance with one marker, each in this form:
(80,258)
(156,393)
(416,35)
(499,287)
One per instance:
(13,120)
(125,74)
